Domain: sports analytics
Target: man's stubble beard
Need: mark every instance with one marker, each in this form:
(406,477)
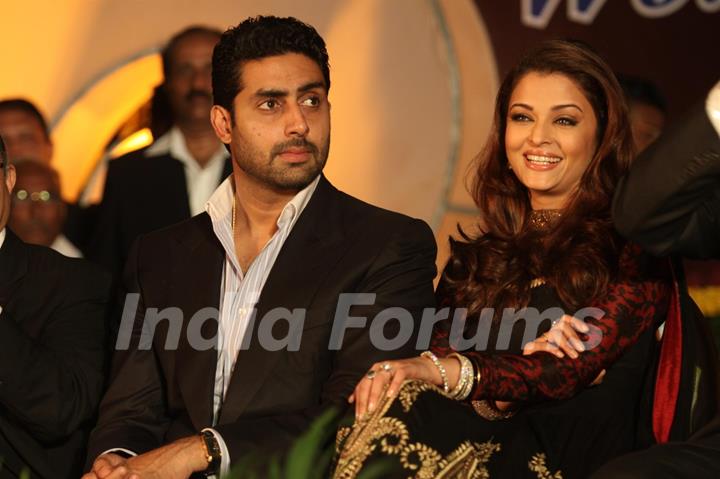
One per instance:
(268,169)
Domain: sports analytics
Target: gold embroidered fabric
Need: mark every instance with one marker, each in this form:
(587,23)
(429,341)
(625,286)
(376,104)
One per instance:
(391,435)
(538,466)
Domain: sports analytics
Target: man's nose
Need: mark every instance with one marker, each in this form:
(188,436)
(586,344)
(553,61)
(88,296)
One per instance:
(296,123)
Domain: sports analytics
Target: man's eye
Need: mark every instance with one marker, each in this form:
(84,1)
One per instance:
(311,101)
(269,104)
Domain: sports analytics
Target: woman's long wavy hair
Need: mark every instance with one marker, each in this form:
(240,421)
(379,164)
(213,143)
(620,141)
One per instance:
(578,256)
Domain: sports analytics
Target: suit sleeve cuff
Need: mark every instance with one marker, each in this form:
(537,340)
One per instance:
(121,451)
(225,458)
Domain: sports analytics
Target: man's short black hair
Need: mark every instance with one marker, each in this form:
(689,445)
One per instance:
(168,50)
(641,90)
(261,37)
(3,156)
(21,104)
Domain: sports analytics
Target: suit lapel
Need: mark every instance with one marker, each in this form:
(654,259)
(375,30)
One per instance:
(175,183)
(195,284)
(13,266)
(311,249)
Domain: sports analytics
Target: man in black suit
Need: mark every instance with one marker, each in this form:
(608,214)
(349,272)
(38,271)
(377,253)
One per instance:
(52,352)
(170,180)
(275,252)
(670,203)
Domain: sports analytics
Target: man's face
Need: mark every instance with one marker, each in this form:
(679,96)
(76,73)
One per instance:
(281,132)
(24,137)
(7,182)
(189,84)
(38,214)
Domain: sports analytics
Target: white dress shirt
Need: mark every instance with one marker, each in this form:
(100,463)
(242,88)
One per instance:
(201,182)
(65,247)
(240,289)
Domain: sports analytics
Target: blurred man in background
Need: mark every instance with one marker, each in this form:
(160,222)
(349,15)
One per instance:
(170,180)
(52,351)
(25,131)
(38,213)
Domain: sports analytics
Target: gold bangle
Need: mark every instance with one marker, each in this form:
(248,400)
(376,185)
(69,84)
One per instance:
(486,410)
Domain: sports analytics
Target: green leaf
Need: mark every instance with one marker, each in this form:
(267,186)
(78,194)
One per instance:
(376,469)
(303,458)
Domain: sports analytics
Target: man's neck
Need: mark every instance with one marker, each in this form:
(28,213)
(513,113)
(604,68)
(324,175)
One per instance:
(257,206)
(201,141)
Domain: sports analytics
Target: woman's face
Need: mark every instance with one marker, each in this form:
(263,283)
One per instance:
(550,137)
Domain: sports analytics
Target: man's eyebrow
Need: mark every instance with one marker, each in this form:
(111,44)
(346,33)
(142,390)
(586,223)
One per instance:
(271,93)
(311,86)
(278,93)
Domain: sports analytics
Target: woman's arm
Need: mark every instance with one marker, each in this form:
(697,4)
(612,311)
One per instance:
(630,308)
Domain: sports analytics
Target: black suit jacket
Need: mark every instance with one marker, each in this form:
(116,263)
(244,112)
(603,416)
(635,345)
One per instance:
(52,358)
(670,203)
(670,200)
(338,245)
(142,194)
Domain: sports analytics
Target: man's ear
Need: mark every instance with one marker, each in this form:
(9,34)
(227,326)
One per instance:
(10,178)
(221,120)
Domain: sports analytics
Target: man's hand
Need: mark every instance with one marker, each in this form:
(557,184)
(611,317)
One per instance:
(175,461)
(106,465)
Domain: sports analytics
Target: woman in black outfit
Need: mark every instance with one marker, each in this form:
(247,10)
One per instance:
(543,186)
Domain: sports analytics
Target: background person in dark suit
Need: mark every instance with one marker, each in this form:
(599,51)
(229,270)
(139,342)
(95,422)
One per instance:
(670,203)
(52,351)
(276,234)
(170,180)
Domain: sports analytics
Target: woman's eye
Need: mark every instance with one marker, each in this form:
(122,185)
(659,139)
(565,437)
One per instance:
(566,121)
(519,117)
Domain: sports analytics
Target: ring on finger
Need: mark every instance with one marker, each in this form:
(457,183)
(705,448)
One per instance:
(387,367)
(371,374)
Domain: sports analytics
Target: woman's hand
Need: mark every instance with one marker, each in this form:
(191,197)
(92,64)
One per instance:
(561,339)
(386,378)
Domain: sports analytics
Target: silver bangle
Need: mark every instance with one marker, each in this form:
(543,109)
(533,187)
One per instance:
(462,390)
(443,374)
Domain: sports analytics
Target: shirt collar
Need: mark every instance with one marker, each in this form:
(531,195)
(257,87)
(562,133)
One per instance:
(219,206)
(2,237)
(173,143)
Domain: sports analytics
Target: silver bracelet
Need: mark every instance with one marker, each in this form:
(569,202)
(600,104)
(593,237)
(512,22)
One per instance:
(443,374)
(465,379)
